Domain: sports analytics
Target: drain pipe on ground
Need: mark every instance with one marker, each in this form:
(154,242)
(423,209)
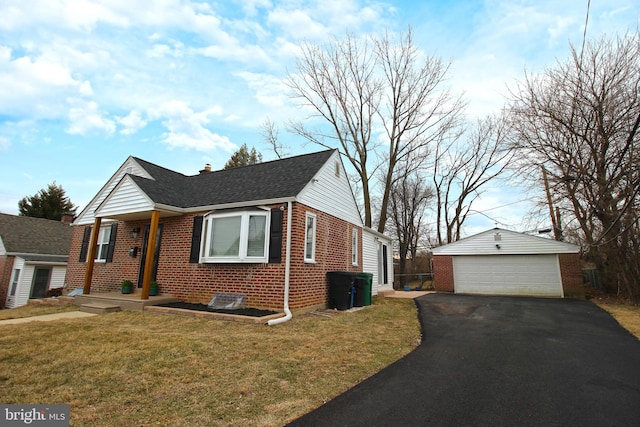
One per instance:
(287,270)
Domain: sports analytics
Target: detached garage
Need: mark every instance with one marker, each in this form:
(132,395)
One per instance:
(503,262)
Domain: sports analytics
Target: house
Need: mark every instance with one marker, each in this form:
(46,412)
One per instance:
(33,257)
(269,231)
(503,262)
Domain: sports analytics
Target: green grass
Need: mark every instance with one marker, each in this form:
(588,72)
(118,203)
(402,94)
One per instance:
(151,369)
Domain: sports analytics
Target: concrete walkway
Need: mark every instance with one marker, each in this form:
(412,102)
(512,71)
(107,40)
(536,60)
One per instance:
(47,317)
(406,294)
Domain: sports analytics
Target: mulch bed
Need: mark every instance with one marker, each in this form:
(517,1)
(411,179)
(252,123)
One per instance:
(252,312)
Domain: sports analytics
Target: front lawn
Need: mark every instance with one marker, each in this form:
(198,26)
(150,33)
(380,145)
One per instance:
(132,368)
(30,310)
(627,315)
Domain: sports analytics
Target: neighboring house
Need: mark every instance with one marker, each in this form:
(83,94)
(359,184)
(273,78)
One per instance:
(254,230)
(503,262)
(33,257)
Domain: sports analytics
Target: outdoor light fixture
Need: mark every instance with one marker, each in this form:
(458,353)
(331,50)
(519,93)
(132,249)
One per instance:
(497,246)
(135,232)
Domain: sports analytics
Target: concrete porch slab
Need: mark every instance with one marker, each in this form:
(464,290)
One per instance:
(127,302)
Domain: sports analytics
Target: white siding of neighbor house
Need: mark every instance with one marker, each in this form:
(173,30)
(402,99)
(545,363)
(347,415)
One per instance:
(3,250)
(18,263)
(331,193)
(372,257)
(509,242)
(130,166)
(125,198)
(23,290)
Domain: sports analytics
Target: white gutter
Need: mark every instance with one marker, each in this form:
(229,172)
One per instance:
(287,272)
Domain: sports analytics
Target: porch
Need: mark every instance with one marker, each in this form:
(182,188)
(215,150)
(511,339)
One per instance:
(115,301)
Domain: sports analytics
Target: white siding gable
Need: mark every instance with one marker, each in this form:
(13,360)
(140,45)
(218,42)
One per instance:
(3,250)
(125,198)
(130,166)
(505,242)
(372,242)
(329,191)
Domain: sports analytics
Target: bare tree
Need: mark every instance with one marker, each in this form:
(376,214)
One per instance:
(337,82)
(358,84)
(270,133)
(463,164)
(580,119)
(408,201)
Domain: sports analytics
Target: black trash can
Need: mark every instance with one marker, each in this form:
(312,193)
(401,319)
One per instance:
(340,289)
(359,289)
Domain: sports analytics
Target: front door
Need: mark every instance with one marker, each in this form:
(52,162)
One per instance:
(145,249)
(40,282)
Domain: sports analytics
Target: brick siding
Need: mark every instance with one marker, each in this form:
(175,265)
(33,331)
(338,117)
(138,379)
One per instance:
(194,282)
(443,273)
(571,275)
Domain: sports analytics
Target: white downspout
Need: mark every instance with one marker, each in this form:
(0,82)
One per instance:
(287,272)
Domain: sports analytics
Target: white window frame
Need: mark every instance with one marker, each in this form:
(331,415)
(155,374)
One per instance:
(310,237)
(242,256)
(354,246)
(103,243)
(14,282)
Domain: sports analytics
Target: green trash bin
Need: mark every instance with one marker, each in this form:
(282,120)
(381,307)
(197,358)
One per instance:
(368,282)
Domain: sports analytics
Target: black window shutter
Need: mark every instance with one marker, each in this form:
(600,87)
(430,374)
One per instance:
(86,238)
(112,242)
(196,235)
(275,238)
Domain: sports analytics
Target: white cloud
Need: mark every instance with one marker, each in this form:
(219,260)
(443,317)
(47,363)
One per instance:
(269,90)
(297,23)
(132,123)
(85,88)
(86,117)
(188,129)
(5,143)
(35,87)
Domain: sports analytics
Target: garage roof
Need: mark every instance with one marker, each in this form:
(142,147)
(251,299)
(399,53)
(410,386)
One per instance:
(498,241)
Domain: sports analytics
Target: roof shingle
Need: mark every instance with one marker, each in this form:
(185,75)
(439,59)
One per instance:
(263,181)
(27,235)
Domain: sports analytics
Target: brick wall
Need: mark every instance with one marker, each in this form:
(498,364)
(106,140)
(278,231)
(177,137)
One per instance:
(193,282)
(571,275)
(443,273)
(6,263)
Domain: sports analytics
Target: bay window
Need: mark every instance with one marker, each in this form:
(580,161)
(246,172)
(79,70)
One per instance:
(235,237)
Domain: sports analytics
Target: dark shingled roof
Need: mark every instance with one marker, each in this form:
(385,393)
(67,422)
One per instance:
(26,235)
(263,181)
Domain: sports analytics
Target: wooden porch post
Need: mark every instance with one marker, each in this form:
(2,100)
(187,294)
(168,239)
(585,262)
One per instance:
(91,256)
(151,254)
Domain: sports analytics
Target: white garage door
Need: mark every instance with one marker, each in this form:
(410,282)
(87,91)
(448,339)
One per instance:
(536,275)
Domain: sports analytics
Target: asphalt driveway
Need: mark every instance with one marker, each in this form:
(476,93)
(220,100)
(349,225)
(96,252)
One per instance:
(501,361)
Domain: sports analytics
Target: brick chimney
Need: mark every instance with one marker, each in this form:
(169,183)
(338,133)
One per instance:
(67,218)
(207,169)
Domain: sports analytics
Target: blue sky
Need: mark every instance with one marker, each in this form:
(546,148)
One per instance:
(84,84)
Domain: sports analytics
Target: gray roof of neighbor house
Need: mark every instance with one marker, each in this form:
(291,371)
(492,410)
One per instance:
(263,181)
(35,236)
